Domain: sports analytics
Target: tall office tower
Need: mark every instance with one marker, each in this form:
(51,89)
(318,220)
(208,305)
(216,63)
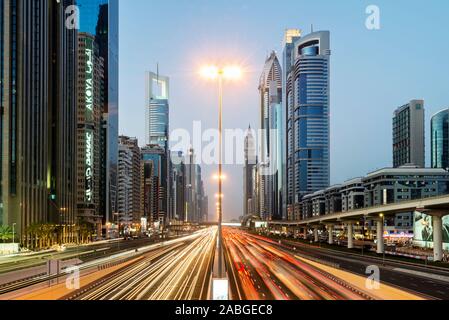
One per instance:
(440,140)
(89,112)
(178,186)
(38,116)
(155,184)
(307,96)
(250,162)
(101,18)
(157,109)
(270,89)
(129,179)
(409,135)
(290,37)
(191,203)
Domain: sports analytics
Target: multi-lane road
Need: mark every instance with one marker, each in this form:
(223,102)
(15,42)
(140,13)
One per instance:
(261,268)
(179,271)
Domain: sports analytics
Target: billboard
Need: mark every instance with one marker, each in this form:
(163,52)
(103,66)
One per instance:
(423,230)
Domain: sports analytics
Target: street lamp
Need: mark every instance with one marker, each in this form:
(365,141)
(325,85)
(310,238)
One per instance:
(212,72)
(14,233)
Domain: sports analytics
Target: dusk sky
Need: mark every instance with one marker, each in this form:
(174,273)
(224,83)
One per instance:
(372,72)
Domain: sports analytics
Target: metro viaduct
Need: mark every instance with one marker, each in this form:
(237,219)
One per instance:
(437,207)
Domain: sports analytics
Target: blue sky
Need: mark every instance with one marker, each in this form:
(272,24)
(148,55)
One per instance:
(372,72)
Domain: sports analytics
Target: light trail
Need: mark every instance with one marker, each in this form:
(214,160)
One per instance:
(283,277)
(178,271)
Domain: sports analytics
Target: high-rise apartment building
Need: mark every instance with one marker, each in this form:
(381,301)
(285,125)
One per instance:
(89,114)
(155,184)
(38,115)
(409,135)
(440,140)
(101,18)
(129,181)
(307,103)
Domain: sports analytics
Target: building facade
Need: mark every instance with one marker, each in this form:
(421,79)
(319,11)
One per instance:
(38,116)
(157,109)
(385,186)
(101,18)
(89,113)
(178,186)
(129,181)
(155,183)
(272,155)
(307,102)
(248,180)
(440,140)
(409,135)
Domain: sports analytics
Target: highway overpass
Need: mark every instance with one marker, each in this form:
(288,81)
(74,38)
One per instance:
(437,207)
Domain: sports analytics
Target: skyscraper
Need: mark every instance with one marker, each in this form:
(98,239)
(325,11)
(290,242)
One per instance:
(89,113)
(307,98)
(38,115)
(178,186)
(100,18)
(248,181)
(155,184)
(270,90)
(129,180)
(157,109)
(440,140)
(409,135)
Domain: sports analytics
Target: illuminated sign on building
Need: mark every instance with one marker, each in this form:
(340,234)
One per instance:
(89,105)
(89,89)
(89,166)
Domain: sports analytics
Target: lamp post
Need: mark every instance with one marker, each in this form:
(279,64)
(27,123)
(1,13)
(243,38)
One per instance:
(220,74)
(14,233)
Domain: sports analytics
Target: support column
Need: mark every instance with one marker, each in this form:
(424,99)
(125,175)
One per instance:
(330,230)
(380,237)
(437,238)
(350,235)
(315,234)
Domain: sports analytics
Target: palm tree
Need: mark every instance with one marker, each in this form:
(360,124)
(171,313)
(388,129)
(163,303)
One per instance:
(6,233)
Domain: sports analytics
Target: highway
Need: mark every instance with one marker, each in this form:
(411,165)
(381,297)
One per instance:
(429,282)
(262,269)
(179,271)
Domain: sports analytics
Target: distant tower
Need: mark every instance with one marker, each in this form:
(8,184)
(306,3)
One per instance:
(250,162)
(157,110)
(272,155)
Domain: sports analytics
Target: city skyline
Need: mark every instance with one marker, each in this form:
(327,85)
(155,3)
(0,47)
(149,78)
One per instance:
(360,59)
(239,150)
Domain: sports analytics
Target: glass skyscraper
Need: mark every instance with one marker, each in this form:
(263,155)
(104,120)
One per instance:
(272,155)
(100,19)
(157,110)
(38,118)
(307,96)
(440,140)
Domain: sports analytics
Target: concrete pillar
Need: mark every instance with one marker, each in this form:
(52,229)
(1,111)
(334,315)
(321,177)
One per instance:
(350,235)
(437,238)
(315,234)
(330,230)
(380,237)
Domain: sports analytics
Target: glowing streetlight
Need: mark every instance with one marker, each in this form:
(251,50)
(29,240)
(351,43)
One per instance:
(212,72)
